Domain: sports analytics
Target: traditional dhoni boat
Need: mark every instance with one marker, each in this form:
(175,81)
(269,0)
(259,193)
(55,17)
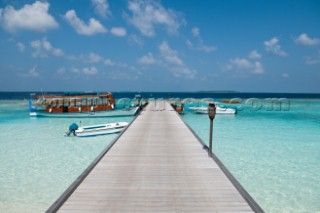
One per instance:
(77,105)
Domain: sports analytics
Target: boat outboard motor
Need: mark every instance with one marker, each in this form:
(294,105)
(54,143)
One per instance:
(72,129)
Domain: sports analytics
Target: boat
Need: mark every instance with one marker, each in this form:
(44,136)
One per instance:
(178,107)
(131,111)
(95,130)
(219,110)
(77,105)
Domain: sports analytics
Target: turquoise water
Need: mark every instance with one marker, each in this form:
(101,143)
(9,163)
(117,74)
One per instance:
(275,155)
(37,163)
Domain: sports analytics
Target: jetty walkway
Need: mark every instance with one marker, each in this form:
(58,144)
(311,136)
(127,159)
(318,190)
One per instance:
(156,165)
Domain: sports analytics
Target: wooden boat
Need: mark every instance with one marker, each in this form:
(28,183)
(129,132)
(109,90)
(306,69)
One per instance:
(95,130)
(77,105)
(100,114)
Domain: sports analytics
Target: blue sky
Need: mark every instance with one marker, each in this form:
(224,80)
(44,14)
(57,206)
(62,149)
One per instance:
(168,45)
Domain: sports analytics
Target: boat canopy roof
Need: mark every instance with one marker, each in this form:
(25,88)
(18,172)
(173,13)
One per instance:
(73,96)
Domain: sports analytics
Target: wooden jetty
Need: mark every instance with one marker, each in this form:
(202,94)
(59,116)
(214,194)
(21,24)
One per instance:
(156,165)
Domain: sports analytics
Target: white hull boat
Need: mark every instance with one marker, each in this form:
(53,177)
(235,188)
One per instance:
(95,130)
(219,110)
(111,113)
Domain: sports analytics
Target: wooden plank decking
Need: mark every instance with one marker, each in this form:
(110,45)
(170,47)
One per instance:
(157,165)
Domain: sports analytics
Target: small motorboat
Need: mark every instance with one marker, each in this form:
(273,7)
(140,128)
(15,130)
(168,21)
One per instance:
(94,130)
(219,110)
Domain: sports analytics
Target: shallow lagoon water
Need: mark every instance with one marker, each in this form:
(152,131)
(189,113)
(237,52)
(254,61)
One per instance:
(275,155)
(37,163)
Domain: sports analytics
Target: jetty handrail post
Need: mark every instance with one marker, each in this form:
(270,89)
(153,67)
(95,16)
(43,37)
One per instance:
(139,102)
(211,114)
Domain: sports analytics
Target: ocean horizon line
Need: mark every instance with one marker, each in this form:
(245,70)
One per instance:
(170,94)
(146,91)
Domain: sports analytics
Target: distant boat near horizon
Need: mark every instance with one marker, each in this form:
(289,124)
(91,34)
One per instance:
(219,110)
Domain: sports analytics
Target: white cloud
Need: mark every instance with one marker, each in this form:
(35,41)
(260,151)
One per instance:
(285,75)
(304,39)
(147,14)
(147,59)
(273,46)
(195,32)
(134,39)
(32,73)
(93,58)
(124,65)
(108,62)
(189,44)
(57,52)
(173,63)
(101,7)
(245,65)
(199,45)
(171,56)
(61,71)
(21,47)
(42,48)
(66,73)
(74,70)
(254,55)
(93,26)
(89,71)
(313,60)
(34,17)
(120,76)
(96,58)
(119,31)
(207,48)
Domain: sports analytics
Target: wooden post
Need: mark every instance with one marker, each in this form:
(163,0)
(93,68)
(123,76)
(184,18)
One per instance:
(210,140)
(211,114)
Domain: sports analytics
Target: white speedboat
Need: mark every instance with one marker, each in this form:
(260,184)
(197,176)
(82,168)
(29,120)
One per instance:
(94,130)
(219,110)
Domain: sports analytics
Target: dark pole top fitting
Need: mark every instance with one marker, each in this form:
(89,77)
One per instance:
(211,110)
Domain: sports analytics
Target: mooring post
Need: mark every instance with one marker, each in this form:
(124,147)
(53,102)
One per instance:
(139,101)
(211,114)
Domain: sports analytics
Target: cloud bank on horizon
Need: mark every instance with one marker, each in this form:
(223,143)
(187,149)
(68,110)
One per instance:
(149,45)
